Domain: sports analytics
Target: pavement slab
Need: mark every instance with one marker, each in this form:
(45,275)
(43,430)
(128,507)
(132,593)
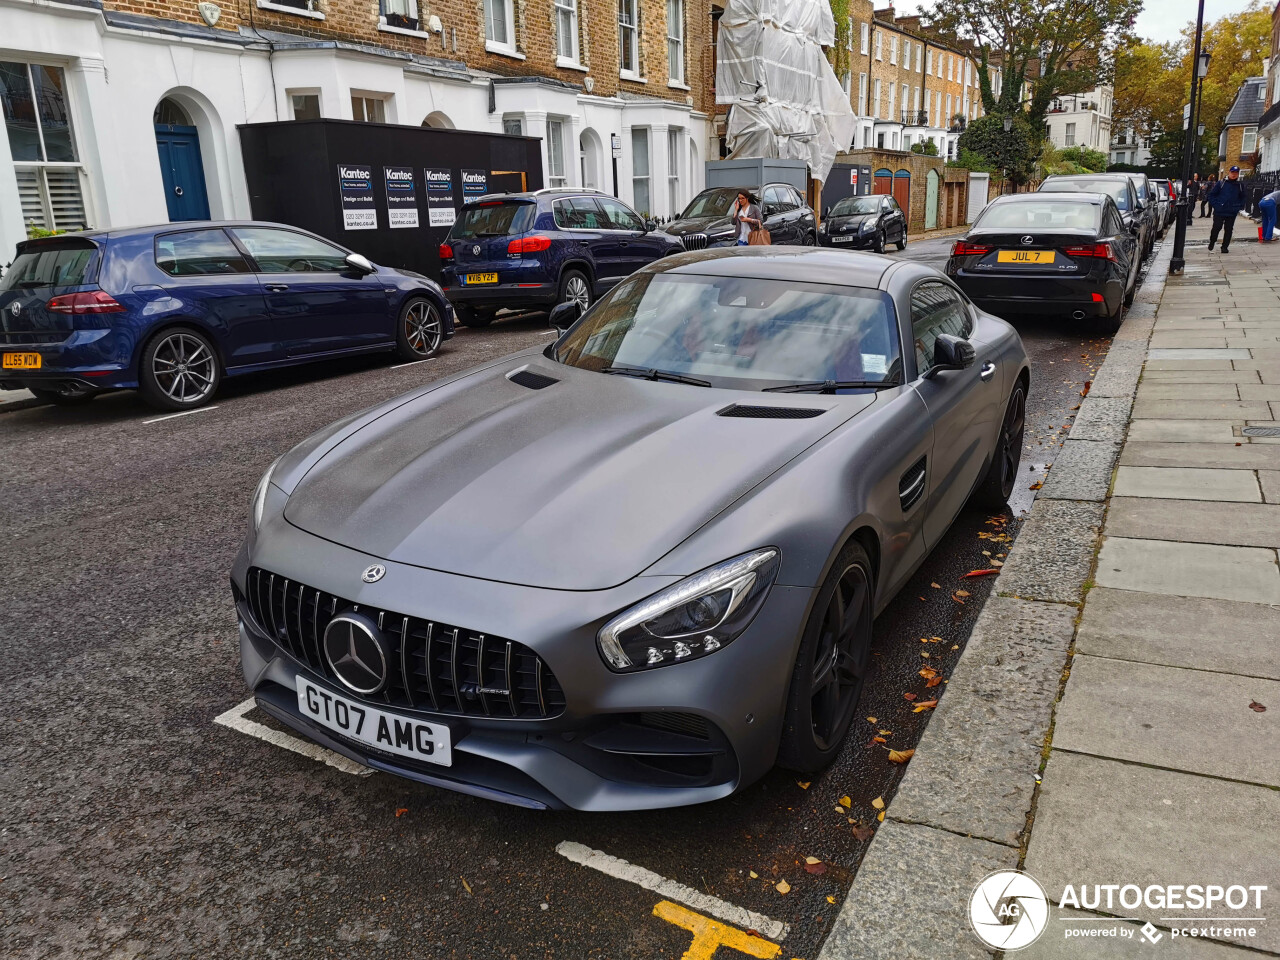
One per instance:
(1190,720)
(1194,521)
(1054,562)
(1200,376)
(988,731)
(1157,628)
(1188,483)
(1081,471)
(1101,418)
(1158,390)
(911,864)
(1200,410)
(1104,821)
(1185,431)
(1246,456)
(1248,574)
(1202,353)
(1270,481)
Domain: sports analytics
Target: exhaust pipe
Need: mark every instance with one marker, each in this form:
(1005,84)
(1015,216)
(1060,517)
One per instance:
(1078,315)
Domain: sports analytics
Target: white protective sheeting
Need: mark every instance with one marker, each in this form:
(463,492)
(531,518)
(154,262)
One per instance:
(785,98)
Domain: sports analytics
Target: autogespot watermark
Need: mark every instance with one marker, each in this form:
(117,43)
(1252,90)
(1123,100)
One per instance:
(1009,910)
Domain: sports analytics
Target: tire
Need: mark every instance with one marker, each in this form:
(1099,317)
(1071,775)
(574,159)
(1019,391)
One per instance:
(835,653)
(471,317)
(66,395)
(420,329)
(1109,325)
(179,370)
(810,240)
(878,246)
(902,244)
(574,286)
(997,486)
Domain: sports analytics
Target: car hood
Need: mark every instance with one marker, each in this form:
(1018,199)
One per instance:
(848,223)
(578,485)
(678,228)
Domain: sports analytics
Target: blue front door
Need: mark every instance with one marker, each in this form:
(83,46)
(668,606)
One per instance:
(183,172)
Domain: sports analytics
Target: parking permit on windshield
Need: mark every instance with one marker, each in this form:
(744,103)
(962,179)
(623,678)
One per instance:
(874,363)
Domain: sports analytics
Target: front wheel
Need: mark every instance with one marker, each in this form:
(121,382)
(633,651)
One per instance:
(420,330)
(902,244)
(997,485)
(179,370)
(810,240)
(64,395)
(878,246)
(831,668)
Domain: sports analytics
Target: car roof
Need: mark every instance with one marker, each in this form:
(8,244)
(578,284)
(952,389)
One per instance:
(846,268)
(1053,196)
(102,233)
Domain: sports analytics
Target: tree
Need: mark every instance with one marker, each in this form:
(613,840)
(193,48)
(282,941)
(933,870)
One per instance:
(1148,89)
(1061,46)
(1013,151)
(1238,44)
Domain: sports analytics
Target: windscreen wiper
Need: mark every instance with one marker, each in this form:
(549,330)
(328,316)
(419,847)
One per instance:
(831,386)
(652,374)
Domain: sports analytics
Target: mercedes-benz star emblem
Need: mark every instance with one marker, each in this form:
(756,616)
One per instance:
(356,652)
(1028,240)
(476,250)
(374,573)
(15,308)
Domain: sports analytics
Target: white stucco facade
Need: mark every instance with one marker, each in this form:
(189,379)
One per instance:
(1081,120)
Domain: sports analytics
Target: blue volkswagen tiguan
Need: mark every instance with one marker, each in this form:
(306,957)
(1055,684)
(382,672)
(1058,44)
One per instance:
(543,248)
(170,310)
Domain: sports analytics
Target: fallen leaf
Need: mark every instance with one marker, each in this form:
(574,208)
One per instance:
(962,593)
(839,809)
(754,875)
(846,801)
(878,803)
(880,816)
(908,696)
(782,887)
(861,833)
(803,784)
(402,811)
(871,719)
(1256,707)
(467,885)
(997,563)
(924,705)
(928,672)
(936,586)
(900,756)
(1087,385)
(925,654)
(812,860)
(879,740)
(831,899)
(1035,486)
(817,869)
(934,682)
(886,733)
(979,573)
(955,646)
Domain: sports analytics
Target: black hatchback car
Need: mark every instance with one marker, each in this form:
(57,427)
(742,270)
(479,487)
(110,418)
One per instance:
(1049,253)
(541,249)
(864,223)
(707,222)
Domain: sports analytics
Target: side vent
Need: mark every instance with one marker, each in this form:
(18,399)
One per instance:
(531,379)
(770,413)
(911,486)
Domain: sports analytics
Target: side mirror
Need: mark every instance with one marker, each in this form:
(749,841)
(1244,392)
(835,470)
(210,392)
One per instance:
(826,212)
(565,315)
(357,262)
(950,353)
(650,225)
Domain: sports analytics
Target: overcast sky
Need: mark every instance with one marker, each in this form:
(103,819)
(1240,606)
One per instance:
(1160,20)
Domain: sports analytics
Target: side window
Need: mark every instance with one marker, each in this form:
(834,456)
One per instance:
(580,213)
(935,309)
(773,202)
(283,251)
(797,201)
(893,205)
(620,215)
(197,253)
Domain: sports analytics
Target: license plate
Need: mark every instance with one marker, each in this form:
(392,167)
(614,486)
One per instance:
(375,728)
(482,278)
(842,239)
(1024,256)
(22,361)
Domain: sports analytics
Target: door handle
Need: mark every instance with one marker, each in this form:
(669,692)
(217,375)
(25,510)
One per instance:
(277,287)
(988,371)
(626,243)
(585,243)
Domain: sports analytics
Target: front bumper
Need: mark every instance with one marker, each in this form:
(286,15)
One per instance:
(618,744)
(855,241)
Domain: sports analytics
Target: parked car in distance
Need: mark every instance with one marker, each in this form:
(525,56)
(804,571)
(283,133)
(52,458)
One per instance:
(172,309)
(1120,188)
(1163,190)
(1147,205)
(864,223)
(538,249)
(1049,253)
(726,469)
(706,221)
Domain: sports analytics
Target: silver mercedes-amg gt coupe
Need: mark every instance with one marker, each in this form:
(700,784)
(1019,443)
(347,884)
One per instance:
(639,567)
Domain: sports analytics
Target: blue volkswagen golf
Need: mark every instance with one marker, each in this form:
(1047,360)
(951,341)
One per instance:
(170,310)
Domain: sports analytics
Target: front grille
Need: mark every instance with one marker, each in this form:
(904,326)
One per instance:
(435,666)
(754,412)
(690,724)
(694,241)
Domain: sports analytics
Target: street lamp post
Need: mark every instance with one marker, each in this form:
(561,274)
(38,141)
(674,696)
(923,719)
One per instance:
(1199,66)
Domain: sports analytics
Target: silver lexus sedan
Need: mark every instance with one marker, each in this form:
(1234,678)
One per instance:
(639,567)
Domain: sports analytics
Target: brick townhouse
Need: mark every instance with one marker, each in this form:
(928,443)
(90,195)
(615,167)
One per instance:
(89,87)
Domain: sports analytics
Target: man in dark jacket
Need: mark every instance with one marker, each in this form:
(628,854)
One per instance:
(1227,200)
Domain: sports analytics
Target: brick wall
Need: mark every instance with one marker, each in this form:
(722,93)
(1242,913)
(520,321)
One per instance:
(1235,140)
(357,21)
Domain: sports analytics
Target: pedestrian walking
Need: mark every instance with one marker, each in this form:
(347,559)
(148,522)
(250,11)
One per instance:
(1267,207)
(1227,200)
(1205,187)
(746,216)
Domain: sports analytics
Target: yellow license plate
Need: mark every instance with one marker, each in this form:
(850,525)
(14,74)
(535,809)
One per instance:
(22,361)
(482,278)
(1024,256)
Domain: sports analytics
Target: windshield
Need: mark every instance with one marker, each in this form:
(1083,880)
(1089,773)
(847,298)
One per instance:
(68,264)
(739,332)
(494,219)
(711,203)
(855,205)
(1117,190)
(1040,215)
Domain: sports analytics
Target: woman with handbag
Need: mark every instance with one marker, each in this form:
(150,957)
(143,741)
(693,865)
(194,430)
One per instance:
(746,220)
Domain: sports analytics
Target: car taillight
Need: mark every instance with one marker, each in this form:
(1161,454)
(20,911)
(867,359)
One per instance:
(1102,250)
(446,252)
(962,249)
(532,244)
(91,301)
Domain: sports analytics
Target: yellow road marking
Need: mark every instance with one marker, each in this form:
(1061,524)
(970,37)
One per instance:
(708,935)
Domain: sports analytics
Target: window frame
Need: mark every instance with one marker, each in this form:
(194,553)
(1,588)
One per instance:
(966,329)
(864,35)
(568,202)
(647,177)
(567,9)
(676,43)
(605,201)
(410,14)
(257,264)
(251,265)
(1244,138)
(490,9)
(555,154)
(365,99)
(675,136)
(629,43)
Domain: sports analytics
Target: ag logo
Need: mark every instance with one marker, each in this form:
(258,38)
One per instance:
(1009,910)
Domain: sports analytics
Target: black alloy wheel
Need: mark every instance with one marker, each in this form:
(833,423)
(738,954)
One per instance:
(831,669)
(64,394)
(420,331)
(997,485)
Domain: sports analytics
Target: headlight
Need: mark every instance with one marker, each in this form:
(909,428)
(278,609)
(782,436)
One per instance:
(868,226)
(692,618)
(260,494)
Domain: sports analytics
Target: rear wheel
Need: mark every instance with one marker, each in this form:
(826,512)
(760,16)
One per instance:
(1109,325)
(574,288)
(902,243)
(64,395)
(420,331)
(831,668)
(179,370)
(997,485)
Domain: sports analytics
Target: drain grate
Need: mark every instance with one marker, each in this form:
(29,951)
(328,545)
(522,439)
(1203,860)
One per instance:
(1261,431)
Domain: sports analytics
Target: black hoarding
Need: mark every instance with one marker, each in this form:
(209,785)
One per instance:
(294,170)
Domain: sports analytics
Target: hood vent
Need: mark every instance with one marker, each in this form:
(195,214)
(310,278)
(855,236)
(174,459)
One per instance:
(531,379)
(770,413)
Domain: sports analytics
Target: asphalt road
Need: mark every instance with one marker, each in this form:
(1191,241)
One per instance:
(131,825)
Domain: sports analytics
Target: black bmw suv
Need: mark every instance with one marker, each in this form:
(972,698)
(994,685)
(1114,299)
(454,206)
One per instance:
(706,222)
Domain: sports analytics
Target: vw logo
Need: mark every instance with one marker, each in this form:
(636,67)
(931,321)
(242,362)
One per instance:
(1027,240)
(1009,910)
(15,308)
(374,573)
(476,250)
(356,653)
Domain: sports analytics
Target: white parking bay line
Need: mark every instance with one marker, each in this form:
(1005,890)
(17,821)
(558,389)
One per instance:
(713,906)
(235,719)
(413,363)
(184,413)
